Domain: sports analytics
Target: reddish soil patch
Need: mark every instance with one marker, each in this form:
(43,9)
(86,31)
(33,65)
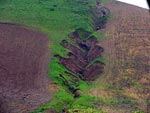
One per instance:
(24,58)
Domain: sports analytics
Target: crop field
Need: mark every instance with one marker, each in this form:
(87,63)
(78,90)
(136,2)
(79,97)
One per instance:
(24,58)
(127,54)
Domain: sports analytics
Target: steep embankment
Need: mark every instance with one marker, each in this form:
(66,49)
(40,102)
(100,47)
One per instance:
(127,53)
(24,57)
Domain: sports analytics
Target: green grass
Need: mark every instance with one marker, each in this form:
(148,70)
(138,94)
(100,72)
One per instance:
(104,1)
(102,60)
(56,18)
(66,17)
(65,100)
(85,110)
(61,99)
(139,111)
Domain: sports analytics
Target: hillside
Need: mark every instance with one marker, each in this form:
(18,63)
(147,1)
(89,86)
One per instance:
(26,49)
(126,79)
(96,54)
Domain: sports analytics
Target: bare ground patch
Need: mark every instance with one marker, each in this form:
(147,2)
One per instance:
(24,58)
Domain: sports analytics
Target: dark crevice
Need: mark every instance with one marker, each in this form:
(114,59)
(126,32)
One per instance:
(80,62)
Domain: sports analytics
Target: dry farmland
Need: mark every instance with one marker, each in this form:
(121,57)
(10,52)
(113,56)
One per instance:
(127,53)
(24,58)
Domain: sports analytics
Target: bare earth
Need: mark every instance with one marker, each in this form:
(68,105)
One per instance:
(127,53)
(128,39)
(24,58)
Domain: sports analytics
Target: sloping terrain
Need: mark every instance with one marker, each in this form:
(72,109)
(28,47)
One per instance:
(58,19)
(24,58)
(124,86)
(127,53)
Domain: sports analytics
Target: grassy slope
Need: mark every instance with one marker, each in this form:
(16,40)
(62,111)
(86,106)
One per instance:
(57,18)
(39,14)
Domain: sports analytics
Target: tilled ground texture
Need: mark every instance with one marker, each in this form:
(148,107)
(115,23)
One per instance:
(24,58)
(127,51)
(128,39)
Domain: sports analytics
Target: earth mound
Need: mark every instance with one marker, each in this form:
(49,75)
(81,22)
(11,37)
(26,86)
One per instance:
(24,58)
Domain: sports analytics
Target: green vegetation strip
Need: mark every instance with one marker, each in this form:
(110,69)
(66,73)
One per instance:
(57,18)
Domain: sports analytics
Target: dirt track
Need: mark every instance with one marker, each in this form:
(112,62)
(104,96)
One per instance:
(24,58)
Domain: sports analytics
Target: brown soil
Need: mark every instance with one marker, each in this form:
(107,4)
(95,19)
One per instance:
(24,58)
(127,50)
(81,54)
(81,62)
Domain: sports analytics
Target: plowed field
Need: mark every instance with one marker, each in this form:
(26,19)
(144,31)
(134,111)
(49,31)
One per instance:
(24,58)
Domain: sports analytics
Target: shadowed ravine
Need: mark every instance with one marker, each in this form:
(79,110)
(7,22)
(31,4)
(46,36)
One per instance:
(84,61)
